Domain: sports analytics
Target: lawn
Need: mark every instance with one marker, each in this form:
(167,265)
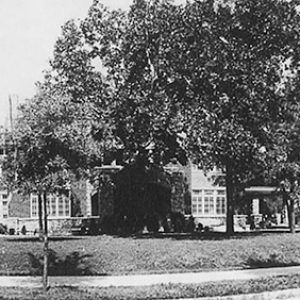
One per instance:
(136,255)
(171,291)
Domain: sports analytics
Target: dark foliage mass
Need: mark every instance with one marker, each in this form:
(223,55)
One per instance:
(213,82)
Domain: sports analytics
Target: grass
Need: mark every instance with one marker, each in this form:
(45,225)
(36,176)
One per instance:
(172,291)
(139,255)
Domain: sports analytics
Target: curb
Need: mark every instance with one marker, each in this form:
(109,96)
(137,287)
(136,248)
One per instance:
(292,294)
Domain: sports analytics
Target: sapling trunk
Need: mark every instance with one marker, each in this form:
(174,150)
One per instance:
(290,205)
(230,202)
(45,267)
(40,212)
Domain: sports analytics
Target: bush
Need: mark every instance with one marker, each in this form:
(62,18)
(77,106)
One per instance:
(3,229)
(24,230)
(178,222)
(190,225)
(108,225)
(152,223)
(268,260)
(200,227)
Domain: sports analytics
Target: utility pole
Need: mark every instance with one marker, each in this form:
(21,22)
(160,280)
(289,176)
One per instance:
(13,132)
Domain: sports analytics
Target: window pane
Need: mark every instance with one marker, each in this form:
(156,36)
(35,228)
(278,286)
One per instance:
(52,205)
(221,192)
(61,206)
(34,206)
(220,205)
(209,205)
(194,200)
(194,209)
(208,192)
(200,205)
(67,206)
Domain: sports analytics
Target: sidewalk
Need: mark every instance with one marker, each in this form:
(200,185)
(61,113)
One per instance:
(146,280)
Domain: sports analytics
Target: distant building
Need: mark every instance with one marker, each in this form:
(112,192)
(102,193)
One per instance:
(208,196)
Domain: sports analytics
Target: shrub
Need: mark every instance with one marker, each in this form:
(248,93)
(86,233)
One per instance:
(267,260)
(24,230)
(178,222)
(190,225)
(3,229)
(152,223)
(200,227)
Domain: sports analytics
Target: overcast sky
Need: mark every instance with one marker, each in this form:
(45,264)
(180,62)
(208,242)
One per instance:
(28,31)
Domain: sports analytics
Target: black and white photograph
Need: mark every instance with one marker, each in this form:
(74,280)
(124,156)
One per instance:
(149,149)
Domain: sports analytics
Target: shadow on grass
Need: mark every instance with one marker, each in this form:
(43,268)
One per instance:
(38,239)
(72,264)
(272,260)
(203,235)
(210,235)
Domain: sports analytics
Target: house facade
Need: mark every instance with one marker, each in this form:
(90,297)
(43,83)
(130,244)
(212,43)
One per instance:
(65,211)
(193,192)
(208,196)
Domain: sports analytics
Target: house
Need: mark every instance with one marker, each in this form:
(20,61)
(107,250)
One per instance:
(193,192)
(65,211)
(83,202)
(208,196)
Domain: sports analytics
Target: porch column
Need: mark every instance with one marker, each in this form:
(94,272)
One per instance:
(255,206)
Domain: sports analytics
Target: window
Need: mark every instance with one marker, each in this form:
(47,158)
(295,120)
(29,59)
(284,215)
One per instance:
(67,206)
(34,206)
(197,202)
(63,206)
(5,209)
(52,205)
(220,203)
(209,202)
(208,192)
(57,205)
(208,205)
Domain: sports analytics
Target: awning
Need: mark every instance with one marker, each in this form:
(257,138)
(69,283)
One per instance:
(265,190)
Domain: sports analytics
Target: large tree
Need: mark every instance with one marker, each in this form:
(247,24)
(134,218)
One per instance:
(205,77)
(230,62)
(137,116)
(126,52)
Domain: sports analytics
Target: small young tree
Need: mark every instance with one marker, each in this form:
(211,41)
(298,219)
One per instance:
(51,138)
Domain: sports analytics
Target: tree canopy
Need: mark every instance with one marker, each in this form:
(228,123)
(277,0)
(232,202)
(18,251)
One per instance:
(207,81)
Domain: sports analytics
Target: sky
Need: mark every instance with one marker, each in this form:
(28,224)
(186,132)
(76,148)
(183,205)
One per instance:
(28,31)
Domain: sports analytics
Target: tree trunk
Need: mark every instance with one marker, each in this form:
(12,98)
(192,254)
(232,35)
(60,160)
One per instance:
(40,204)
(290,205)
(45,269)
(230,202)
(291,216)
